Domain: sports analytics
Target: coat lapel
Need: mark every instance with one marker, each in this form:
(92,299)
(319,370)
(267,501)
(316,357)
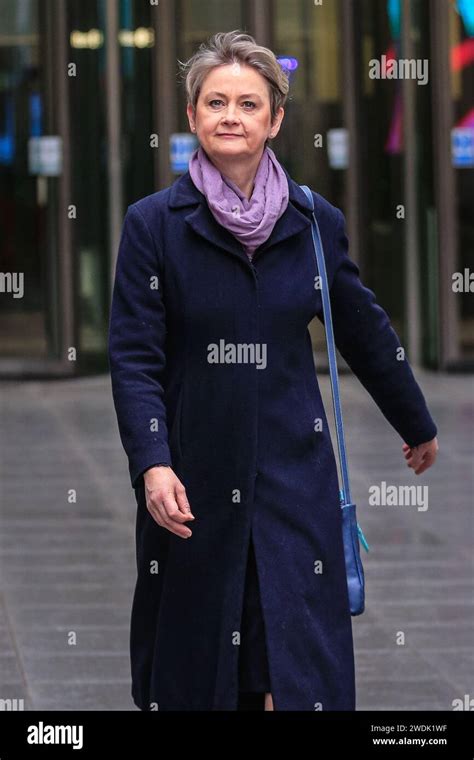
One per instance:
(295,218)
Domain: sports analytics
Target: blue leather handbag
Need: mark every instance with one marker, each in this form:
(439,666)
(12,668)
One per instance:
(351,530)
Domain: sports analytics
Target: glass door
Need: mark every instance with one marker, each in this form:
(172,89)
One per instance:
(27,273)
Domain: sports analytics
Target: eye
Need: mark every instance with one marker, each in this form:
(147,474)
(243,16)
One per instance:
(249,104)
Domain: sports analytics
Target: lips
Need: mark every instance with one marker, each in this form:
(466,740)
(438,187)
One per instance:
(227,134)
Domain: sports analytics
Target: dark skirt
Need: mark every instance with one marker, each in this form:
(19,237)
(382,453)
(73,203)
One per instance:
(253,663)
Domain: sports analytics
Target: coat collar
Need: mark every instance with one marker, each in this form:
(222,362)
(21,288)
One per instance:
(295,218)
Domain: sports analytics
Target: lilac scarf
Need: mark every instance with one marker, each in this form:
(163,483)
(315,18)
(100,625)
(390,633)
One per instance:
(250,221)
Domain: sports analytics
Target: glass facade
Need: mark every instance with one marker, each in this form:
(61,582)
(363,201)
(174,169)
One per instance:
(195,21)
(28,252)
(87,97)
(137,40)
(383,212)
(308,36)
(461,94)
(77,148)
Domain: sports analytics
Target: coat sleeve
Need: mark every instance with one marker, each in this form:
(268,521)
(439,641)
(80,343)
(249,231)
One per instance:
(371,347)
(136,348)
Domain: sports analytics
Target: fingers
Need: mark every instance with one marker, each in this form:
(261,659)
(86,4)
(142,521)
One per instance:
(412,452)
(170,508)
(419,458)
(171,516)
(182,501)
(427,461)
(414,458)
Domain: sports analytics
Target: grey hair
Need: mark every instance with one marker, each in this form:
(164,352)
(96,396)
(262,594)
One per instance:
(235,47)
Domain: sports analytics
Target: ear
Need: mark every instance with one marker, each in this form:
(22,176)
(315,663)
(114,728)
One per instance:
(276,124)
(191,117)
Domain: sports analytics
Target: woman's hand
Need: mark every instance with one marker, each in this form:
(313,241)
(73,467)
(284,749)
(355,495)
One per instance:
(166,500)
(421,457)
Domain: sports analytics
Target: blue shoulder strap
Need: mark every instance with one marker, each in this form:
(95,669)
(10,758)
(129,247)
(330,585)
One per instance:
(318,248)
(345,493)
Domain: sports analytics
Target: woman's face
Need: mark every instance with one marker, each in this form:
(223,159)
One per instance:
(233,117)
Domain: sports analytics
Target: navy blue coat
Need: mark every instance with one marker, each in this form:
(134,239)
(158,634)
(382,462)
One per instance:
(240,434)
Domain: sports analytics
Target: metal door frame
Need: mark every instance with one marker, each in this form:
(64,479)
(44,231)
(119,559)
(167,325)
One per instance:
(445,184)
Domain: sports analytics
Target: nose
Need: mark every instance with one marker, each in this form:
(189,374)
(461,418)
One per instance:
(230,115)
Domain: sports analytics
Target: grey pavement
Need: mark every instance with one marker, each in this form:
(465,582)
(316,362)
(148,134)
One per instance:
(67,563)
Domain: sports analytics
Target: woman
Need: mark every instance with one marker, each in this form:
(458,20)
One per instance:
(216,398)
